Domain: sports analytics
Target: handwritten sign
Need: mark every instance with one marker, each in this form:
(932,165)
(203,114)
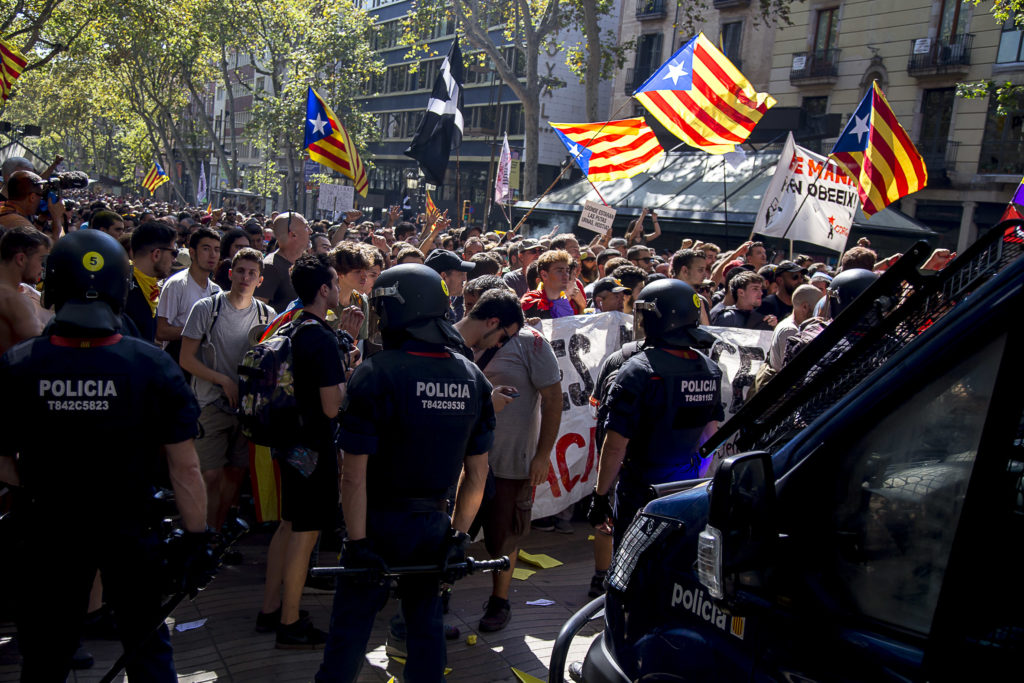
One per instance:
(597,217)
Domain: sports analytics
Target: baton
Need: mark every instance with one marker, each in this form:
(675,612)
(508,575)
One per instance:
(470,565)
(238,528)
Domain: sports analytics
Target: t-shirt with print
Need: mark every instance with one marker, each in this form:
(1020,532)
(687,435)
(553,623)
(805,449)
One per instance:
(228,339)
(527,363)
(179,293)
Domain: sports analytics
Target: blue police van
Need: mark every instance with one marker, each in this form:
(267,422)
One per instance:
(866,518)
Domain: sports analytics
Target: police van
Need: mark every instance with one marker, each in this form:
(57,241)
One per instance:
(867,523)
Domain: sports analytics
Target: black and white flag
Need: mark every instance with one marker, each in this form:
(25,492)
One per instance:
(440,130)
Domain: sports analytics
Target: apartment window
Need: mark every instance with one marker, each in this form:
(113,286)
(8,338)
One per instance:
(398,77)
(937,107)
(825,29)
(732,34)
(949,24)
(1002,145)
(648,57)
(1011,43)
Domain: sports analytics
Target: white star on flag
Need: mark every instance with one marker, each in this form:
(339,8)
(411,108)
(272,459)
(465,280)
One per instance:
(318,124)
(860,127)
(574,150)
(675,72)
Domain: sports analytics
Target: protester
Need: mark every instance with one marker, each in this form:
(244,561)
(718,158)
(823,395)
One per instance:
(529,250)
(183,289)
(22,250)
(804,298)
(453,271)
(788,276)
(292,234)
(746,289)
(218,332)
(609,295)
(153,253)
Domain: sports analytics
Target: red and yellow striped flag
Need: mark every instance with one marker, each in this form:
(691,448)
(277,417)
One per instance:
(155,178)
(878,155)
(13,64)
(611,150)
(432,212)
(701,98)
(329,143)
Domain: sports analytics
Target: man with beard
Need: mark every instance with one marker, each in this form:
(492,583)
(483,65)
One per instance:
(788,276)
(153,253)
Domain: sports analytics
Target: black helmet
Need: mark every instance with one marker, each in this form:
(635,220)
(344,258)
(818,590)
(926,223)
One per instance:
(413,298)
(87,280)
(846,287)
(668,311)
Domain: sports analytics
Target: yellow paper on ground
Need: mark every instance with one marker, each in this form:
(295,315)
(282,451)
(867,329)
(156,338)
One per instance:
(539,560)
(522,574)
(401,660)
(590,537)
(525,677)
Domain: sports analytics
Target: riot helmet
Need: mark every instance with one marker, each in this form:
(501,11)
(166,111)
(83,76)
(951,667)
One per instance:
(667,312)
(412,298)
(847,286)
(87,280)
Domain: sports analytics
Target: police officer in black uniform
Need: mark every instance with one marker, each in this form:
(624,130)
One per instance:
(416,420)
(663,404)
(86,414)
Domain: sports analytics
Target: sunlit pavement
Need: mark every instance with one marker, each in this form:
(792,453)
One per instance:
(227,648)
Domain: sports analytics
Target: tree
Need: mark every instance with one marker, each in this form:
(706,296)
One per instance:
(595,57)
(1007,95)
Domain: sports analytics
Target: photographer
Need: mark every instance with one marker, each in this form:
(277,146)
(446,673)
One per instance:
(25,189)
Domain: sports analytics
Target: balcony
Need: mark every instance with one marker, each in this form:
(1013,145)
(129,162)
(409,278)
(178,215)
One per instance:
(730,4)
(940,159)
(929,57)
(820,67)
(651,9)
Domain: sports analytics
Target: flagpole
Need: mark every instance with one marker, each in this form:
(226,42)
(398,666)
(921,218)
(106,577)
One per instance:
(725,195)
(796,213)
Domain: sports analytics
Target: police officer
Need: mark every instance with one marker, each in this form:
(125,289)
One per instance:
(664,402)
(416,420)
(86,414)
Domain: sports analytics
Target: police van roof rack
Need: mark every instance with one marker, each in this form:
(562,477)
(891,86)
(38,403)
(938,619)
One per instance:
(894,310)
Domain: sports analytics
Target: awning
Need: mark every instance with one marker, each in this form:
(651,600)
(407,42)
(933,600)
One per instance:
(694,190)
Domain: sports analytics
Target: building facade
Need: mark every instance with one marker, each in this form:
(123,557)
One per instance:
(917,50)
(399,99)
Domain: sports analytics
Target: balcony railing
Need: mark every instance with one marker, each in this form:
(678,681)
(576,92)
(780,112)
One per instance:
(948,55)
(651,9)
(728,4)
(940,158)
(820,66)
(1001,158)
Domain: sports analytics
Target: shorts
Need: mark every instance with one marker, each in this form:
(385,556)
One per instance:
(221,442)
(311,503)
(505,518)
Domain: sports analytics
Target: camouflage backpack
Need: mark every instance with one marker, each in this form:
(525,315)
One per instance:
(268,408)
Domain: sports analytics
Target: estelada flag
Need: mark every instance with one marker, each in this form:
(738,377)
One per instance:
(878,155)
(155,178)
(611,150)
(329,143)
(432,212)
(13,63)
(703,99)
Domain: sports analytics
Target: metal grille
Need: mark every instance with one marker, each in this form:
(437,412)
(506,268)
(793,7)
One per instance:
(640,536)
(896,309)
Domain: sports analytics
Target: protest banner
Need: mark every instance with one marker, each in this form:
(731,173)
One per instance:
(581,343)
(597,217)
(335,198)
(808,200)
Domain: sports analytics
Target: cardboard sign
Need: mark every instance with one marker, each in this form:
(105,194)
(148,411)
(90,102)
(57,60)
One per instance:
(597,217)
(336,198)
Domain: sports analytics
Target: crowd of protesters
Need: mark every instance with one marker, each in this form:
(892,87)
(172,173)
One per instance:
(208,283)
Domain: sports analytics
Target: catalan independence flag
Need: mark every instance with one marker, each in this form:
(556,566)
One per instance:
(329,144)
(878,155)
(702,99)
(611,150)
(155,178)
(433,214)
(13,64)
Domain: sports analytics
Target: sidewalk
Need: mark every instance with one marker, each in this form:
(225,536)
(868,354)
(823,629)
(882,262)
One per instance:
(226,648)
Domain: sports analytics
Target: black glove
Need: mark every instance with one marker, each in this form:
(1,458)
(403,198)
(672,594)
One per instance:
(455,554)
(359,555)
(600,509)
(191,564)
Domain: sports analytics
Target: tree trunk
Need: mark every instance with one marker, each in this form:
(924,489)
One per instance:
(592,33)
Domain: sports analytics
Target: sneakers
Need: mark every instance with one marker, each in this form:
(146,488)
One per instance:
(563,526)
(497,613)
(543,524)
(301,635)
(597,588)
(268,622)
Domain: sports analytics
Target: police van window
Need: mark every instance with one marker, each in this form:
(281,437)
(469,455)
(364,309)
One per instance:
(902,489)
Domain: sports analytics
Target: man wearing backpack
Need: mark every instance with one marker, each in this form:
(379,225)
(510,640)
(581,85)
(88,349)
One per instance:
(217,333)
(309,467)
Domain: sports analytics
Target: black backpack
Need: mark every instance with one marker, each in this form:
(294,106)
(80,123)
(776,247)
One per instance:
(268,407)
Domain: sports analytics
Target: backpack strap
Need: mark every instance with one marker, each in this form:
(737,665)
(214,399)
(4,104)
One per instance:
(218,301)
(264,312)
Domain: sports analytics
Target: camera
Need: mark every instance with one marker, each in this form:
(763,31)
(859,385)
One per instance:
(51,189)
